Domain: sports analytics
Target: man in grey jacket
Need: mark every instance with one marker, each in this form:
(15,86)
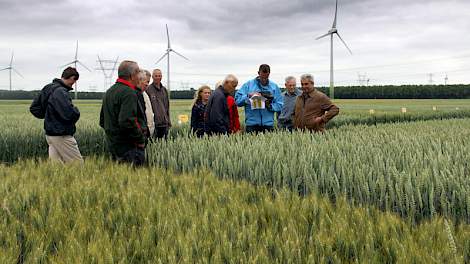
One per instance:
(160,101)
(285,118)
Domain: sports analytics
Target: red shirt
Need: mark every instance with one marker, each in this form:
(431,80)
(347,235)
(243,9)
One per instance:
(233,115)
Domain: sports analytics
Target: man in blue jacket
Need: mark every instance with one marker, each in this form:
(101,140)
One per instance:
(260,117)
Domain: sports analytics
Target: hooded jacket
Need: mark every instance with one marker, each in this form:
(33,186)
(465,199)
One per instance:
(61,114)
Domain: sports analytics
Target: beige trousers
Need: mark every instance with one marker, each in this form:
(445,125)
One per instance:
(63,149)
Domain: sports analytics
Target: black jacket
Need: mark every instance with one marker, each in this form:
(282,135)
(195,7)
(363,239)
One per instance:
(61,114)
(121,119)
(141,111)
(217,114)
(197,118)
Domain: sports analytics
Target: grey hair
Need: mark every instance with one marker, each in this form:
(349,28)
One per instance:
(218,83)
(127,69)
(143,74)
(147,73)
(230,78)
(308,77)
(290,78)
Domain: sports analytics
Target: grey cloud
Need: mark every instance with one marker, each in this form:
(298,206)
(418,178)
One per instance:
(235,35)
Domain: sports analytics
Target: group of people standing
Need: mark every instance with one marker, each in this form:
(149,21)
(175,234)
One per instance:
(217,112)
(134,112)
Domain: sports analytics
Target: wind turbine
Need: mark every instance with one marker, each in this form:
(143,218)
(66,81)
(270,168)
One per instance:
(74,62)
(10,68)
(331,32)
(167,54)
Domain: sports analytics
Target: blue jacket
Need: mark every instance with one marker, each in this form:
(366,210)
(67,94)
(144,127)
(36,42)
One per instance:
(259,117)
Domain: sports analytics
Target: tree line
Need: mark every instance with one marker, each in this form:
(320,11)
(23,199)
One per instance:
(457,91)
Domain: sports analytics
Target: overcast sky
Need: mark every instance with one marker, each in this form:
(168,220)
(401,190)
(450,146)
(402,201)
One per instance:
(393,41)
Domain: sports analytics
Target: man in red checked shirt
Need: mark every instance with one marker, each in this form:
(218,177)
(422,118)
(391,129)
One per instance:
(123,123)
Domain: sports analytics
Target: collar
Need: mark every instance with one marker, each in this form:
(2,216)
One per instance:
(157,86)
(59,81)
(296,93)
(259,83)
(223,90)
(310,94)
(127,83)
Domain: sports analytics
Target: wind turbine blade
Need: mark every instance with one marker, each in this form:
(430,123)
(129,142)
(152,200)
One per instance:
(322,36)
(336,12)
(70,63)
(83,65)
(180,55)
(76,51)
(11,61)
(167,35)
(17,72)
(344,43)
(161,58)
(4,69)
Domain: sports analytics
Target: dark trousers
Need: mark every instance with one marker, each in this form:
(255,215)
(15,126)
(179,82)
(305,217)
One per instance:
(134,156)
(286,126)
(258,129)
(161,132)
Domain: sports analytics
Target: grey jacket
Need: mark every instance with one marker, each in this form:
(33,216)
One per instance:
(285,118)
(160,104)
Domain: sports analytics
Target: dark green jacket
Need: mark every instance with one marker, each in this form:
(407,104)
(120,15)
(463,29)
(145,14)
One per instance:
(122,121)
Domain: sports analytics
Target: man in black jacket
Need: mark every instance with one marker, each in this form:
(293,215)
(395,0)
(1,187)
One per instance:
(217,113)
(61,116)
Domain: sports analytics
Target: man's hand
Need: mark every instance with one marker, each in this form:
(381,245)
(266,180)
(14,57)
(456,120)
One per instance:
(253,94)
(318,120)
(268,104)
(141,146)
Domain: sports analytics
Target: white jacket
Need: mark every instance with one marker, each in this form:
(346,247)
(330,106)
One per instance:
(149,113)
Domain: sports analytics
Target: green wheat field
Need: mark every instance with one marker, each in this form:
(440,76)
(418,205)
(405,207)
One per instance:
(381,187)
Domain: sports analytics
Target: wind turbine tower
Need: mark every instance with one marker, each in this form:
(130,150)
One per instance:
(10,68)
(75,62)
(330,33)
(167,54)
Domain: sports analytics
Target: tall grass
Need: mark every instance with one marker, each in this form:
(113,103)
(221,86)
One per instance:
(108,213)
(416,170)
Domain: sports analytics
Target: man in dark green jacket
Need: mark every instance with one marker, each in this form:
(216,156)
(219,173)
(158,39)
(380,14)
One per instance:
(123,123)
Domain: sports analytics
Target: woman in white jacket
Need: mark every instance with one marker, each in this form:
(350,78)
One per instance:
(144,82)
